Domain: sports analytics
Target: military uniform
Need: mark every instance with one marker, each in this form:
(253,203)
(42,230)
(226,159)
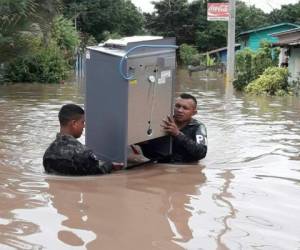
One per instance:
(68,156)
(189,146)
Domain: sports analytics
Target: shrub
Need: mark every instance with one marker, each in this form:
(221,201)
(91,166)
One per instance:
(66,37)
(64,33)
(250,65)
(263,59)
(189,55)
(244,73)
(46,66)
(273,81)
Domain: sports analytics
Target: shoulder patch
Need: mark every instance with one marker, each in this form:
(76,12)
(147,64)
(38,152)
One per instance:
(199,138)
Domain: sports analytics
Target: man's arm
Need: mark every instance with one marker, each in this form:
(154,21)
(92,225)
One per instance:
(195,147)
(86,163)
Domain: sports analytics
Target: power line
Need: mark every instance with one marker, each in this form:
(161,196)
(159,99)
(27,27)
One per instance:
(270,5)
(267,2)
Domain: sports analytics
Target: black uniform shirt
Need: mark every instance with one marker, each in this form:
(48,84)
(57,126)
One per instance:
(191,143)
(68,156)
(189,146)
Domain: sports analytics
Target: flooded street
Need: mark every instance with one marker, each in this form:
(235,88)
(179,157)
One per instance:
(244,195)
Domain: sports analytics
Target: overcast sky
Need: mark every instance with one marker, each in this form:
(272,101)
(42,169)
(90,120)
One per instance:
(265,5)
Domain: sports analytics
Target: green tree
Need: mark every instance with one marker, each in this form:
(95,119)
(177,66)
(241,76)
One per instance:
(35,43)
(244,71)
(47,65)
(204,34)
(171,19)
(249,17)
(132,21)
(14,23)
(101,17)
(45,15)
(188,22)
(250,65)
(20,19)
(213,37)
(189,55)
(287,13)
(64,34)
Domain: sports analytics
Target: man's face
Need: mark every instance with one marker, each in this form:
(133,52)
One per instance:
(78,126)
(184,110)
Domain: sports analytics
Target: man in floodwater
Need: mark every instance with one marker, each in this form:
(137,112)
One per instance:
(68,156)
(189,136)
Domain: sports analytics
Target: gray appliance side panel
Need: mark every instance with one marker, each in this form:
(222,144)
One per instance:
(106,107)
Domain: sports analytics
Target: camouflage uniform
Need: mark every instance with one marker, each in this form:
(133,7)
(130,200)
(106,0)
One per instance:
(189,146)
(68,156)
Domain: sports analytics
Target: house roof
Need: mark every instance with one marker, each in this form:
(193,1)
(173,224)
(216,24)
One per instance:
(219,50)
(269,27)
(282,33)
(287,43)
(289,37)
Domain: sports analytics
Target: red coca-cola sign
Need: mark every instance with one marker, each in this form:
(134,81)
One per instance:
(217,11)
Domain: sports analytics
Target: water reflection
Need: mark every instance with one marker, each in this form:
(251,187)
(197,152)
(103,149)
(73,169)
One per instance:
(71,203)
(19,197)
(147,202)
(176,194)
(224,199)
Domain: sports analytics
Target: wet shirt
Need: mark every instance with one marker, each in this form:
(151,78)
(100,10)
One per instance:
(68,156)
(189,146)
(191,143)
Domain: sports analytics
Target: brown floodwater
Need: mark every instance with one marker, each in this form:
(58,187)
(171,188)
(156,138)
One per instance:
(244,195)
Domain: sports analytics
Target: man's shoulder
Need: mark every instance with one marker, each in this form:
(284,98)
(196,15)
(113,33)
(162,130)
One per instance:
(196,123)
(197,127)
(63,145)
(65,141)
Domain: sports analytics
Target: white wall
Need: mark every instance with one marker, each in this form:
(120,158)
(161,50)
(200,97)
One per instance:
(294,64)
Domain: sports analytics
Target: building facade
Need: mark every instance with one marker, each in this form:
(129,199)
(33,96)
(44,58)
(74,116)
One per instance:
(252,38)
(289,42)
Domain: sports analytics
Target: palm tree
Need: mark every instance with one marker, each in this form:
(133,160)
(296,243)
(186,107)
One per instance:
(14,19)
(22,17)
(48,10)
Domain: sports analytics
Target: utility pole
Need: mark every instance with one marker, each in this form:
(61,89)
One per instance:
(231,42)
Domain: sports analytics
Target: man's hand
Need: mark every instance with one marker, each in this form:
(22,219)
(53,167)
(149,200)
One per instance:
(170,126)
(117,166)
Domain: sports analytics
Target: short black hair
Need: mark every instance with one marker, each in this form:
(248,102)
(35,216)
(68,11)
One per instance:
(188,96)
(69,112)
